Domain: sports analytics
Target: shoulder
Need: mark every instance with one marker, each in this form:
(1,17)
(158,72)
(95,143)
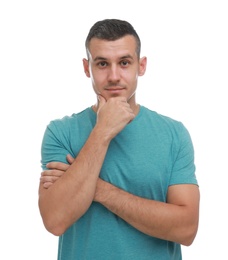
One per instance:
(161,120)
(166,127)
(69,122)
(62,134)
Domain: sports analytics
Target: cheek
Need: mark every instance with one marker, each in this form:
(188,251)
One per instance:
(132,80)
(130,75)
(98,78)
(97,82)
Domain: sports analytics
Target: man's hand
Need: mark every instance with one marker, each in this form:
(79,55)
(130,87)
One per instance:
(54,172)
(113,115)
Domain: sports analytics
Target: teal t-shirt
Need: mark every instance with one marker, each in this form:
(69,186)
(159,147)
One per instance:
(145,158)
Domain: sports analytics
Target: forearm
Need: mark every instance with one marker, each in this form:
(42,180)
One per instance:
(162,220)
(71,195)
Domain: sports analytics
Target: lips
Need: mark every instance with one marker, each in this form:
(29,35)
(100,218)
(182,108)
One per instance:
(114,89)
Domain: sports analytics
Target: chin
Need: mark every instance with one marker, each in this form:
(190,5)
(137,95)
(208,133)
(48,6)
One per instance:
(116,95)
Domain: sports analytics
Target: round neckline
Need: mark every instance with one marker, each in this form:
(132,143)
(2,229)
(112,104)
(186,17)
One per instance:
(136,117)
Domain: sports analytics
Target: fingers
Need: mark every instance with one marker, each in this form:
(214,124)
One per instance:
(113,115)
(57,165)
(101,102)
(56,173)
(48,177)
(70,159)
(46,185)
(47,181)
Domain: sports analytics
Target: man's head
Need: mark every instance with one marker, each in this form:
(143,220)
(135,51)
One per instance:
(111,30)
(113,62)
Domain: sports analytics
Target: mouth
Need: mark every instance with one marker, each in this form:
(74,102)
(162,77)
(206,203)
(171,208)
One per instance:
(115,89)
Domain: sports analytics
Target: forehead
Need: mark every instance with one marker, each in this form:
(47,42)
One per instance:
(109,49)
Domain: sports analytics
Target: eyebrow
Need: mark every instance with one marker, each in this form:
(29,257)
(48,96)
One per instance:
(99,58)
(123,57)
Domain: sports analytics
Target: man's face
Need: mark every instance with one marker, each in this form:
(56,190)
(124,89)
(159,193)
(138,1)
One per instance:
(114,67)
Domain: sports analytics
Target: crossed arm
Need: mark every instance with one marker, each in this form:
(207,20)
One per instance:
(66,191)
(176,220)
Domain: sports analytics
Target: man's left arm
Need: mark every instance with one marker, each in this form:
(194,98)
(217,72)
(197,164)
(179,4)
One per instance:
(176,220)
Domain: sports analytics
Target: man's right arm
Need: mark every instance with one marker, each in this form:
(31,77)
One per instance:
(70,196)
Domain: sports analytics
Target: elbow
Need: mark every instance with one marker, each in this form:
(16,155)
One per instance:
(56,231)
(52,224)
(189,236)
(187,241)
(53,228)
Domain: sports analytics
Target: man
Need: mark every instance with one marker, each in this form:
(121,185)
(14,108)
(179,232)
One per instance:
(118,179)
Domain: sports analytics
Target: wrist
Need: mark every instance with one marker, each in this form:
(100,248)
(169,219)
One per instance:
(103,136)
(102,191)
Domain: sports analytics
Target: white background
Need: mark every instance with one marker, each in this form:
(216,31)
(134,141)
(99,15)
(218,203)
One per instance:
(42,78)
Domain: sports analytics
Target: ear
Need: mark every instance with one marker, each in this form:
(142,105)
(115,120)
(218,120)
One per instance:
(86,67)
(142,66)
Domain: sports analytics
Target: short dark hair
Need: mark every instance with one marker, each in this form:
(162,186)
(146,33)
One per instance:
(111,30)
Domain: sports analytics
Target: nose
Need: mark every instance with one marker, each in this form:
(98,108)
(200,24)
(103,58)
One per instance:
(113,74)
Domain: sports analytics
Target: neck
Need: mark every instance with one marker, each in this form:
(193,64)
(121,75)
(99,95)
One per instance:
(135,108)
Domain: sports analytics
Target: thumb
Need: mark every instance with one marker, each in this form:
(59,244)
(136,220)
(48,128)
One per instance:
(101,102)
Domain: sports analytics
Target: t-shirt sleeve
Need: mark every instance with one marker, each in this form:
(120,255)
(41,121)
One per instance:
(183,171)
(52,147)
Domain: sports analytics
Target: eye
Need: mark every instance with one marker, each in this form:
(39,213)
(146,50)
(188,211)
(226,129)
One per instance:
(102,64)
(124,63)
